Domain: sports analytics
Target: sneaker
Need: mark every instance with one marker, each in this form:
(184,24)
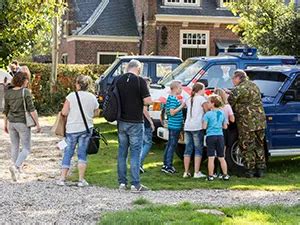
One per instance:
(199,175)
(140,188)
(60,182)
(142,169)
(215,175)
(220,176)
(122,187)
(82,183)
(226,177)
(13,172)
(167,170)
(210,178)
(186,175)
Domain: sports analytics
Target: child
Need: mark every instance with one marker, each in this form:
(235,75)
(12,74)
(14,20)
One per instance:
(175,122)
(148,129)
(193,133)
(213,122)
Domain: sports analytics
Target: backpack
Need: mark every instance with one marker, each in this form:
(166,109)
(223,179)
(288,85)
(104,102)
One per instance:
(111,104)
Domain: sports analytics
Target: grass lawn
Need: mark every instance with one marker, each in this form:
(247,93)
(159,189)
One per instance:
(283,173)
(186,213)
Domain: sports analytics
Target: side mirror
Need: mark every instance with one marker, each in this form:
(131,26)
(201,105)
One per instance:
(204,81)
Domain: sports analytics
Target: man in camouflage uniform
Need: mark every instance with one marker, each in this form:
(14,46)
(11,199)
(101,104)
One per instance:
(245,100)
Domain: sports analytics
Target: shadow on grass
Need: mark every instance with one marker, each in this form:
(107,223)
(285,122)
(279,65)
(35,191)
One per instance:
(283,173)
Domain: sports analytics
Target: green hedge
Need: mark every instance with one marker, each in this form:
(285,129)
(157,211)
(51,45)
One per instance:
(40,83)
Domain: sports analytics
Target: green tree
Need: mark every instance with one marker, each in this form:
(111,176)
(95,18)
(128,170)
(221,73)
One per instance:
(269,25)
(22,24)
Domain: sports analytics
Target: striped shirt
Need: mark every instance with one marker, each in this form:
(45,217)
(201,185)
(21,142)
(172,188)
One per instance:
(175,122)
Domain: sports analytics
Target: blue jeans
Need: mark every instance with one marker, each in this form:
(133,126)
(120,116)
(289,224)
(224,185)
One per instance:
(130,135)
(171,146)
(193,140)
(147,143)
(72,139)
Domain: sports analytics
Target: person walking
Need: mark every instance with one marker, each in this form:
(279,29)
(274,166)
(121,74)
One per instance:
(17,100)
(246,102)
(193,132)
(134,94)
(214,122)
(76,133)
(175,121)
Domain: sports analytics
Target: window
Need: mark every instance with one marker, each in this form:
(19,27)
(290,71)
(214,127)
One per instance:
(194,43)
(64,58)
(182,2)
(220,75)
(122,69)
(162,69)
(268,83)
(105,58)
(223,3)
(294,89)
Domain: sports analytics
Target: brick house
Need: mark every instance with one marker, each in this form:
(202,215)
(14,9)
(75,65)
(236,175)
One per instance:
(96,31)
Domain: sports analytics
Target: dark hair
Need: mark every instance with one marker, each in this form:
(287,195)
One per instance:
(216,100)
(197,87)
(15,62)
(19,79)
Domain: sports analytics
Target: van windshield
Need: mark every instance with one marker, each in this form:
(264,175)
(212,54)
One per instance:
(185,72)
(111,67)
(269,83)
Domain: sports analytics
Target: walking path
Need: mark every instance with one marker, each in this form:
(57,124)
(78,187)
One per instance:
(36,198)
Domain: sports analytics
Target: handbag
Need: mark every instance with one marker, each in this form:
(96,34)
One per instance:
(29,120)
(59,127)
(94,142)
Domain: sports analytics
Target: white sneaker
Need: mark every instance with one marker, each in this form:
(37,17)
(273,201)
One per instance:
(82,183)
(122,187)
(60,182)
(13,172)
(140,188)
(199,175)
(186,175)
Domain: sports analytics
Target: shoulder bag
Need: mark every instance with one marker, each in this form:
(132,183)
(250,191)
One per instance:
(29,120)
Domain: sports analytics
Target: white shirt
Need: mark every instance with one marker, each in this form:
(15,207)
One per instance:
(89,103)
(193,121)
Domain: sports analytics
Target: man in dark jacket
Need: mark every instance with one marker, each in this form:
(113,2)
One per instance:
(246,102)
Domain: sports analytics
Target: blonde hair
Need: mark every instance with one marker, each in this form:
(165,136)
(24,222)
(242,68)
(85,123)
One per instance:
(222,94)
(240,74)
(175,84)
(216,100)
(84,82)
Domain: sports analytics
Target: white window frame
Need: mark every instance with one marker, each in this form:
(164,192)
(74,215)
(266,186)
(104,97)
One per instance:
(65,55)
(207,45)
(182,3)
(109,53)
(222,5)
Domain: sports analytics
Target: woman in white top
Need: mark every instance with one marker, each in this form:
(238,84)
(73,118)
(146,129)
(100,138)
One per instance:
(76,133)
(193,133)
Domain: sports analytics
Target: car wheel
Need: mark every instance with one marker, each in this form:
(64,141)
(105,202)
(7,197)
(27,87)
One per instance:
(234,159)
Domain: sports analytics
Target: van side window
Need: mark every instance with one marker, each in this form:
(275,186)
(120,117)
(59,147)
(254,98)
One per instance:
(123,66)
(163,69)
(220,75)
(295,89)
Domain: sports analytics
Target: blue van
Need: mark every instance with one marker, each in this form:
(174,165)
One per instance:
(280,89)
(154,67)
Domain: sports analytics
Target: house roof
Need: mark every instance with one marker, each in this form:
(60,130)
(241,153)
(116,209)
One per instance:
(103,17)
(208,8)
(84,9)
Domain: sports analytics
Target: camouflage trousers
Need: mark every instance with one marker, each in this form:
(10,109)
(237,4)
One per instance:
(251,145)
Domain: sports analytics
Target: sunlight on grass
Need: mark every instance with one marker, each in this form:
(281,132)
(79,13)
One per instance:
(249,218)
(113,141)
(265,187)
(152,165)
(102,171)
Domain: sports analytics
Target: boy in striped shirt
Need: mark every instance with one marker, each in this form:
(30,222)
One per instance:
(175,123)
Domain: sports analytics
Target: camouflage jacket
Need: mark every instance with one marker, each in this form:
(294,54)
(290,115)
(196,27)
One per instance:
(245,100)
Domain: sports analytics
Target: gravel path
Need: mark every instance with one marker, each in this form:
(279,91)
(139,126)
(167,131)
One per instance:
(36,198)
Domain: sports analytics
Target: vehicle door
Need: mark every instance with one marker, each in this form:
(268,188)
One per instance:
(287,119)
(219,75)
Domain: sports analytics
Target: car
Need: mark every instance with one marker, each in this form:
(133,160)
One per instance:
(154,67)
(213,71)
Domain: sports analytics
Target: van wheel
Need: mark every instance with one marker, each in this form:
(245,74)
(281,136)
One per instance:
(180,152)
(234,159)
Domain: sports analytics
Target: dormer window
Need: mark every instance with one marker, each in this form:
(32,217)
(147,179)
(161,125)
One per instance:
(182,2)
(224,3)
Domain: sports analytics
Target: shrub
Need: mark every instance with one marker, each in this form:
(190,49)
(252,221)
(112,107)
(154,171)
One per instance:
(47,103)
